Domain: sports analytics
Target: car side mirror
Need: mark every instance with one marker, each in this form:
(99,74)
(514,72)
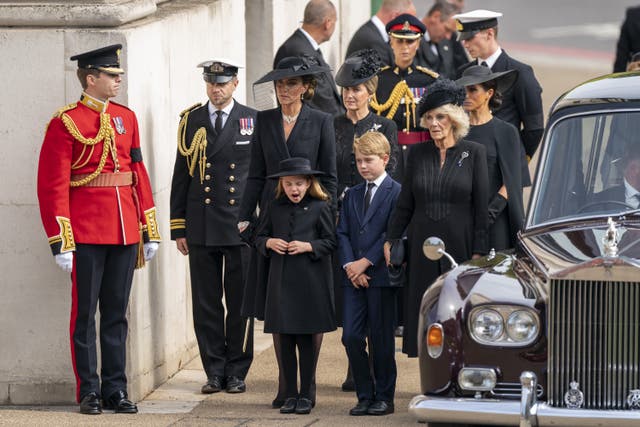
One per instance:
(433,248)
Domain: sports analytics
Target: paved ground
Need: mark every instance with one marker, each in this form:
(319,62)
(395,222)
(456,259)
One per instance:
(179,402)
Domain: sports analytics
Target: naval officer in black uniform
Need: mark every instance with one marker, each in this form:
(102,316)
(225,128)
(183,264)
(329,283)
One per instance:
(214,143)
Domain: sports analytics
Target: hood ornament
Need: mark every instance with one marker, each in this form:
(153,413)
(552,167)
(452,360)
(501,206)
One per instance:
(610,240)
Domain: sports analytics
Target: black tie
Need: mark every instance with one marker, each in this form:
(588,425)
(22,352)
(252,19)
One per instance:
(484,64)
(218,124)
(367,196)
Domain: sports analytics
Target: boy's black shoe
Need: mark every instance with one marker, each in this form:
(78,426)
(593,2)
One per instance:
(380,407)
(361,408)
(289,406)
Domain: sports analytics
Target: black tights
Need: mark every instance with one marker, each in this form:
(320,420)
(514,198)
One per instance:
(308,346)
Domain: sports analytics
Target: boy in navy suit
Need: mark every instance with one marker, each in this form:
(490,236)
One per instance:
(369,300)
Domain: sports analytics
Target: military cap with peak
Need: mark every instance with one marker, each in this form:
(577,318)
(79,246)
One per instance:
(470,23)
(219,70)
(406,26)
(106,59)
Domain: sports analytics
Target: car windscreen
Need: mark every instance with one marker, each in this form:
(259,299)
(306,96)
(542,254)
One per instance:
(591,166)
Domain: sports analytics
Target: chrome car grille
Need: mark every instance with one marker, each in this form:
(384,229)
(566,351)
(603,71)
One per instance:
(512,390)
(594,340)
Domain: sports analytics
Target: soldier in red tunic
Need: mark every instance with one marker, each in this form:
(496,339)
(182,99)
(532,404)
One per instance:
(98,212)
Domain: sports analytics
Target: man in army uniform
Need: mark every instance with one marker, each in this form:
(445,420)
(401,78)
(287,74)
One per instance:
(97,209)
(401,85)
(214,142)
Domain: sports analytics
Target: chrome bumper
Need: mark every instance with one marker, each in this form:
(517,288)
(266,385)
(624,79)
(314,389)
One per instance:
(526,413)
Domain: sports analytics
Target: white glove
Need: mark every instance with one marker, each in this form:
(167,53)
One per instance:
(65,261)
(150,249)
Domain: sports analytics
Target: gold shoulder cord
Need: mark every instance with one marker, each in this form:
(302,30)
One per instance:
(105,134)
(397,94)
(197,152)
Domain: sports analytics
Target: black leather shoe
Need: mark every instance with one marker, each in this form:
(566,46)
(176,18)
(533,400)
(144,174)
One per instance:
(380,407)
(119,402)
(289,406)
(303,406)
(235,385)
(361,408)
(90,404)
(213,385)
(349,384)
(277,403)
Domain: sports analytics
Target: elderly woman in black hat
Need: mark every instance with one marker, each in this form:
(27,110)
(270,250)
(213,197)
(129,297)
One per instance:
(293,129)
(506,159)
(444,194)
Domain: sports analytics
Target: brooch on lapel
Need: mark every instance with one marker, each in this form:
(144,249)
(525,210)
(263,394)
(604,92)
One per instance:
(246,126)
(375,127)
(119,125)
(463,156)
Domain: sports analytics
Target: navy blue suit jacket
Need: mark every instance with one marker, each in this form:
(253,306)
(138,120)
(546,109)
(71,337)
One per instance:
(362,235)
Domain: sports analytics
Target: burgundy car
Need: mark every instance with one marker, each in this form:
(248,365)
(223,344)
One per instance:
(549,334)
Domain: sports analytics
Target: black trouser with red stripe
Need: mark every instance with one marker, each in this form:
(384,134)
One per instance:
(102,274)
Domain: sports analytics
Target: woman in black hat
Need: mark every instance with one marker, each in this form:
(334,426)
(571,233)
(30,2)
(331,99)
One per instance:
(359,81)
(506,159)
(297,235)
(444,194)
(293,129)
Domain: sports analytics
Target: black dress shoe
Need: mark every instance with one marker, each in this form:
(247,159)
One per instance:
(380,407)
(289,406)
(277,403)
(349,384)
(213,385)
(119,402)
(303,406)
(235,385)
(361,408)
(90,404)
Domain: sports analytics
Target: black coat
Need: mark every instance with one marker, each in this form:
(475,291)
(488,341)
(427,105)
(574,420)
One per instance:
(326,97)
(505,160)
(206,213)
(346,131)
(449,203)
(442,63)
(522,104)
(629,40)
(368,37)
(299,295)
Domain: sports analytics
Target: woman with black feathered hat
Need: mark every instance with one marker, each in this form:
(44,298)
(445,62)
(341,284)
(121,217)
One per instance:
(444,194)
(293,129)
(506,159)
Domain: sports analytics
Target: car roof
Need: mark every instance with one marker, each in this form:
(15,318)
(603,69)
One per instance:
(612,88)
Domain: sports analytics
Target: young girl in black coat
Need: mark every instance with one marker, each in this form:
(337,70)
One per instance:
(297,234)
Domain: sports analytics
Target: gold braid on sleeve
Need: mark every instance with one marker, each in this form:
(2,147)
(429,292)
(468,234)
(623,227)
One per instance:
(105,134)
(196,153)
(401,91)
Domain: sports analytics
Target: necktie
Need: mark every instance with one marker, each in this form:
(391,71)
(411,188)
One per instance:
(218,124)
(484,64)
(367,196)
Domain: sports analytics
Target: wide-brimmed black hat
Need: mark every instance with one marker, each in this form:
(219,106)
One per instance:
(106,59)
(294,66)
(359,67)
(295,166)
(442,91)
(477,74)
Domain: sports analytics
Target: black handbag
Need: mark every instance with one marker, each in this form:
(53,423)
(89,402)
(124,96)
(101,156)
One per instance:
(397,263)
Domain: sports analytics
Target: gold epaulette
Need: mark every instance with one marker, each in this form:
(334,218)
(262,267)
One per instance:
(386,67)
(427,71)
(64,109)
(193,107)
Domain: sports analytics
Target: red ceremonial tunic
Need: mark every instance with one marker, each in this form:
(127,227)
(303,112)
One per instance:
(102,211)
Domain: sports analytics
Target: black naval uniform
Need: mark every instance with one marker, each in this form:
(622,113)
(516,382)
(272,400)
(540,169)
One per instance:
(204,209)
(414,79)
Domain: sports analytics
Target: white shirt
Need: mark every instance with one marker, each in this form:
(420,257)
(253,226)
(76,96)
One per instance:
(313,42)
(492,59)
(630,195)
(381,27)
(225,113)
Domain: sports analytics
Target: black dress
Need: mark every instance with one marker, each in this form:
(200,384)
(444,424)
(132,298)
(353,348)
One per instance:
(506,164)
(449,203)
(299,297)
